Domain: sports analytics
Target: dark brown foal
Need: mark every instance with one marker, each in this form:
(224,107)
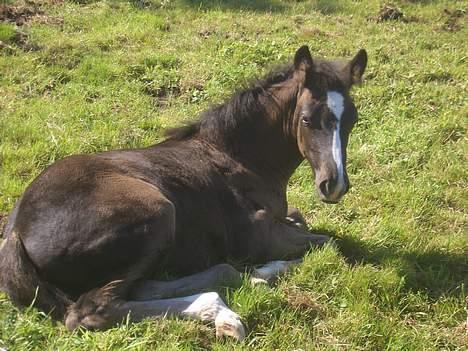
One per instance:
(91,232)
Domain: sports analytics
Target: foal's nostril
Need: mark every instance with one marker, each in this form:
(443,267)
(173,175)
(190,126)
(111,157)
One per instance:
(325,187)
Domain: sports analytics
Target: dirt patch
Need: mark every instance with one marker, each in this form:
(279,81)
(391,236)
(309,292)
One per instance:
(390,13)
(23,41)
(162,92)
(162,95)
(31,12)
(20,40)
(452,23)
(303,302)
(19,14)
(206,33)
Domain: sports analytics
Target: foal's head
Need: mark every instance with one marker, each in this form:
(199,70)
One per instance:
(324,116)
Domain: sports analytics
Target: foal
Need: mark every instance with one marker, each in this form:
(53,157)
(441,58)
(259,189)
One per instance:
(90,233)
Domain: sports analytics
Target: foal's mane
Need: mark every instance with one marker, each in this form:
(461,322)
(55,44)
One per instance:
(242,105)
(247,103)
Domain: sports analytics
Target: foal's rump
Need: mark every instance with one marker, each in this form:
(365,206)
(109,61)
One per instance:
(21,281)
(82,224)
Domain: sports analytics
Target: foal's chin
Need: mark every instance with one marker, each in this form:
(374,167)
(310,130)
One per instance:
(329,199)
(332,202)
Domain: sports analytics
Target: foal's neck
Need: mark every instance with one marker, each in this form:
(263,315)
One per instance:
(266,143)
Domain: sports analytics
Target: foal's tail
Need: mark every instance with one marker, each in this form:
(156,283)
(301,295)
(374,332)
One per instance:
(20,280)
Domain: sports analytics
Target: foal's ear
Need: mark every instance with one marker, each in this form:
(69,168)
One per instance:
(303,60)
(356,67)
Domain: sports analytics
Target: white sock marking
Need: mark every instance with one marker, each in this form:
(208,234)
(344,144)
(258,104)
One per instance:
(335,102)
(273,269)
(203,306)
(210,307)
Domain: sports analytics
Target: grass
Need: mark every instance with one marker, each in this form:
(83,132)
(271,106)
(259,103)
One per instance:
(86,76)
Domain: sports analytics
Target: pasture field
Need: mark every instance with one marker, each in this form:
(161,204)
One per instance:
(85,76)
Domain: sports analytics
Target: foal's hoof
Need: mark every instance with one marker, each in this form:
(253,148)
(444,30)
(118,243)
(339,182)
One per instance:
(272,270)
(254,281)
(229,324)
(296,223)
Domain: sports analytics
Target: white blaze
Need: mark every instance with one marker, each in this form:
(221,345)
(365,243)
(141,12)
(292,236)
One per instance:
(335,102)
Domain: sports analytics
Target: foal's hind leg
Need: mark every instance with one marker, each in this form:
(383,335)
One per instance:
(101,309)
(221,275)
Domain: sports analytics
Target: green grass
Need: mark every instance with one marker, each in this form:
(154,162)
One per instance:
(90,76)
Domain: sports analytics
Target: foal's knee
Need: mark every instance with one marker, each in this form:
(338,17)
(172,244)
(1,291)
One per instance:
(97,309)
(89,316)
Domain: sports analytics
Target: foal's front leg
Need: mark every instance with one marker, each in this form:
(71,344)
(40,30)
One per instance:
(268,273)
(276,240)
(220,275)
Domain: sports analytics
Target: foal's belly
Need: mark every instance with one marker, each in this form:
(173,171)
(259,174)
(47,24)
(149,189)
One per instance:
(212,233)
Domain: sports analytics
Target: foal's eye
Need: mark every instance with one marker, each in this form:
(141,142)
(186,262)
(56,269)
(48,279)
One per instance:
(312,122)
(311,118)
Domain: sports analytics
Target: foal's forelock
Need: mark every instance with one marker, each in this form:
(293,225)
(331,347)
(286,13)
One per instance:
(335,102)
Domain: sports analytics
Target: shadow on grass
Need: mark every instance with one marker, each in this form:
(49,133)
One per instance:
(426,2)
(434,272)
(323,6)
(257,5)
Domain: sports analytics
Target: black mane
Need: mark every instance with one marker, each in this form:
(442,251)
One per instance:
(245,104)
(241,106)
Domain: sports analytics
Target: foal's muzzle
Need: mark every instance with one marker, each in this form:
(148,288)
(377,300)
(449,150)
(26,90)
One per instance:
(331,190)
